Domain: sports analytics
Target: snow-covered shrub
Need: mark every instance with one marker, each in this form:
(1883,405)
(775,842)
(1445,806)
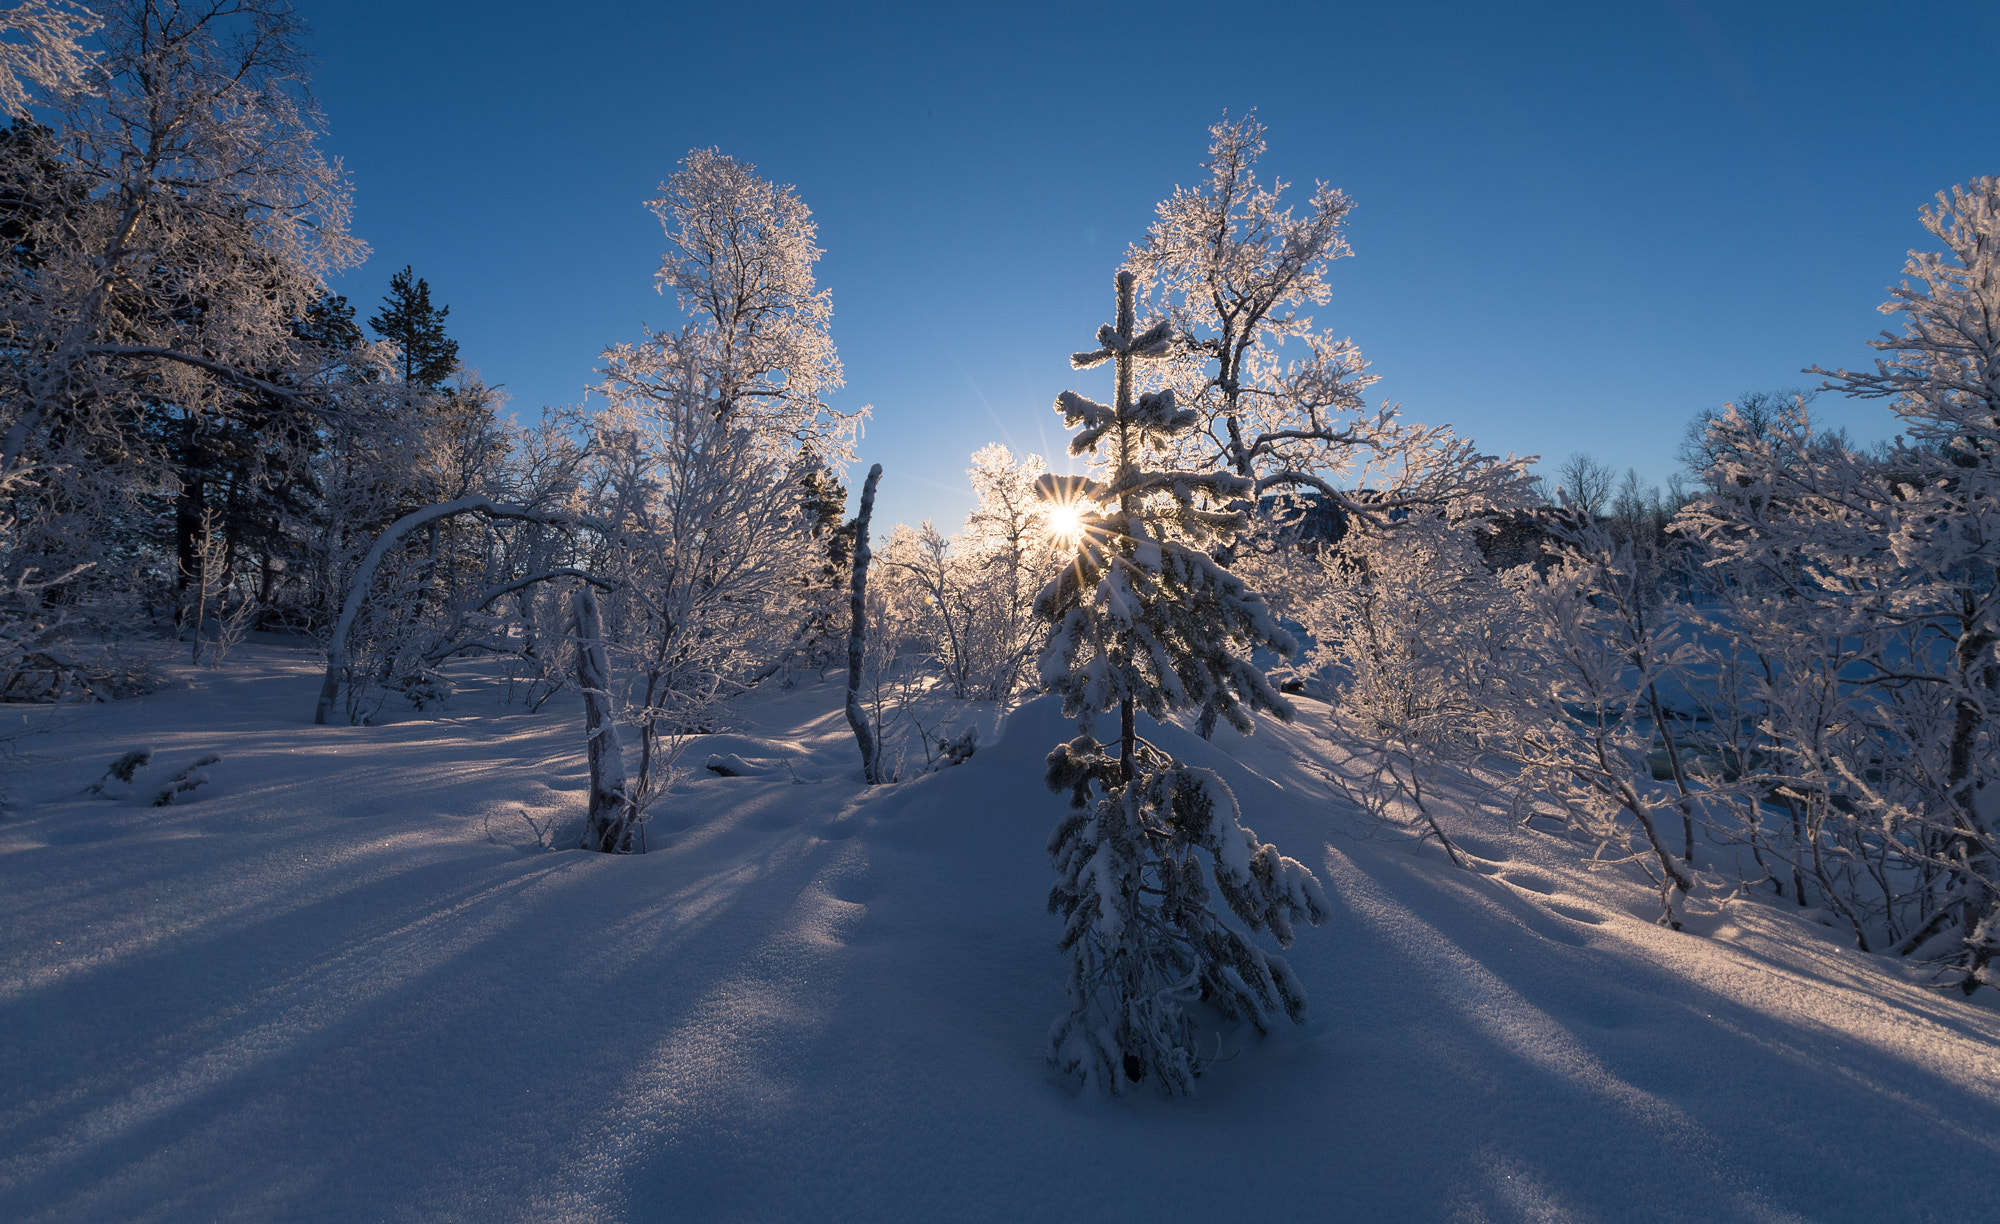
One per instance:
(1145,619)
(1578,709)
(1418,634)
(185,780)
(1891,562)
(117,778)
(957,749)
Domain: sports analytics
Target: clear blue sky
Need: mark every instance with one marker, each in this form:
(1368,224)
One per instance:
(1575,225)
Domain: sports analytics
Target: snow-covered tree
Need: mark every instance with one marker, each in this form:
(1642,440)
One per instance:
(1419,635)
(700,535)
(1277,401)
(170,224)
(948,608)
(1146,620)
(1898,554)
(1773,687)
(613,823)
(1553,672)
(740,266)
(1011,548)
(42,51)
(1579,710)
(695,467)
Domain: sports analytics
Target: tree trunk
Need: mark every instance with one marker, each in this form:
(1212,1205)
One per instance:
(857,634)
(611,825)
(1680,776)
(1128,740)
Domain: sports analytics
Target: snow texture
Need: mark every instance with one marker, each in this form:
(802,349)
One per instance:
(346,981)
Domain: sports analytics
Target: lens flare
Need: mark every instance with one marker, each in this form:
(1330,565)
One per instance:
(1066,523)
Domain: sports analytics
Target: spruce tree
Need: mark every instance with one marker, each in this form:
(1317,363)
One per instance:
(823,504)
(1146,618)
(429,356)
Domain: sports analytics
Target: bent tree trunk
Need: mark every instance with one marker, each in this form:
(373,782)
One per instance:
(612,826)
(364,576)
(857,634)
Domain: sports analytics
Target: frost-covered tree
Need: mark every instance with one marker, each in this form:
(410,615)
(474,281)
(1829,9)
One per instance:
(740,267)
(1419,635)
(1579,711)
(948,606)
(612,823)
(1553,672)
(1278,401)
(700,535)
(1896,556)
(1146,619)
(1011,548)
(821,636)
(42,50)
(171,226)
(695,467)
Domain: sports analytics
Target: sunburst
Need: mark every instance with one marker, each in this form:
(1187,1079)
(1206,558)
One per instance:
(1065,520)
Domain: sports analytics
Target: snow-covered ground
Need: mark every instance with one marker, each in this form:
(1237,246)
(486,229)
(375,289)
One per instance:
(345,982)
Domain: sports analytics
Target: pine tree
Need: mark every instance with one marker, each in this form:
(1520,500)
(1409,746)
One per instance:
(407,318)
(1145,619)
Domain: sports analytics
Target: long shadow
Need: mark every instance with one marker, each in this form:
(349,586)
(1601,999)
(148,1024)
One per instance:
(180,1001)
(1730,1097)
(482,1061)
(1462,1064)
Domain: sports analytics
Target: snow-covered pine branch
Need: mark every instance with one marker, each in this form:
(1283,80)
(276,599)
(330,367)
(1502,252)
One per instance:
(1145,619)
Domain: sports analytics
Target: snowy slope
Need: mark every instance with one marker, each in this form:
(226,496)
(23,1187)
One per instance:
(345,983)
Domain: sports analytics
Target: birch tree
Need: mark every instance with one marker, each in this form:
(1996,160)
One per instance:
(172,224)
(694,467)
(1896,558)
(1278,401)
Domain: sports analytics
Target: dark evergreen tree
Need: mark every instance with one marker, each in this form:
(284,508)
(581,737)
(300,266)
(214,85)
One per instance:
(823,500)
(35,187)
(245,473)
(408,319)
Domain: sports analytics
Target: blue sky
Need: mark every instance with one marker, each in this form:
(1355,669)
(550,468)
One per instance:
(1575,225)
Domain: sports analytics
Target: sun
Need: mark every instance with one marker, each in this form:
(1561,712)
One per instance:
(1066,522)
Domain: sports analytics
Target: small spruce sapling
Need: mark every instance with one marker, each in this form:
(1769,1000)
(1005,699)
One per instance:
(117,779)
(1144,618)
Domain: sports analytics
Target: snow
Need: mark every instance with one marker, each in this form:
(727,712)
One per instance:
(346,980)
